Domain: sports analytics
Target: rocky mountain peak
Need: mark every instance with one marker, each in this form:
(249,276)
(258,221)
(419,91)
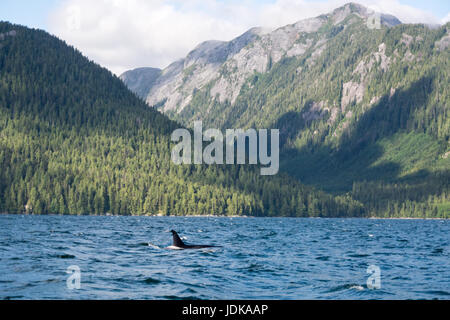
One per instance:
(224,66)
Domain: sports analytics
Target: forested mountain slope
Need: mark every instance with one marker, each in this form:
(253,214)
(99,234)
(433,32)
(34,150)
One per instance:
(75,140)
(361,111)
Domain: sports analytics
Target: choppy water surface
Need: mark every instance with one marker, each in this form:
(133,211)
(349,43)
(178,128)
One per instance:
(261,258)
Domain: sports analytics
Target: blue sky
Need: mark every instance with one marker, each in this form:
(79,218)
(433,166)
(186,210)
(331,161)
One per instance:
(35,13)
(27,12)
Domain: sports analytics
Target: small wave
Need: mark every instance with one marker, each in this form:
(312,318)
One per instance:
(302,270)
(154,246)
(151,281)
(253,267)
(13,297)
(208,251)
(401,278)
(180,298)
(6,281)
(323,258)
(257,268)
(438,292)
(349,286)
(359,288)
(438,251)
(382,253)
(65,256)
(189,290)
(269,235)
(359,255)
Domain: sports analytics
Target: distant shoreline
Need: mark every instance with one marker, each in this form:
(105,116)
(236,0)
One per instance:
(213,216)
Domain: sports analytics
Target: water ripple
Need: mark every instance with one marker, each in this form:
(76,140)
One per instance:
(272,258)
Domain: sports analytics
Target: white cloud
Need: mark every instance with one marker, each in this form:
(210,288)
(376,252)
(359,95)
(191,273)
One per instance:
(125,34)
(405,13)
(446,19)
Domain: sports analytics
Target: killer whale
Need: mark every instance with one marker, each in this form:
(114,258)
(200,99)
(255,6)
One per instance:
(178,244)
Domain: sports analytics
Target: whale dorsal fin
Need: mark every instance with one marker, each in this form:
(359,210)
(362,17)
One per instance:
(177,242)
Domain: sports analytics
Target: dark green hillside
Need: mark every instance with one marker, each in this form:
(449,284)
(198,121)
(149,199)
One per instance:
(75,140)
(368,116)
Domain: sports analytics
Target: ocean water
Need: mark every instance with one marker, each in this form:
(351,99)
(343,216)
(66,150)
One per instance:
(261,258)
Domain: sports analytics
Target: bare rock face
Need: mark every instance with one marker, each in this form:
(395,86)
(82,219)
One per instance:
(141,80)
(222,67)
(352,92)
(341,13)
(201,66)
(444,42)
(406,39)
(268,49)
